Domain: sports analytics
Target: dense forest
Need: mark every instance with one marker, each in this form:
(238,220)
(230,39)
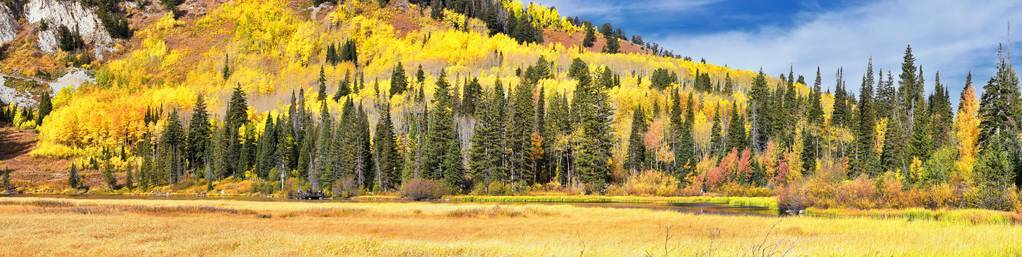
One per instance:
(501,111)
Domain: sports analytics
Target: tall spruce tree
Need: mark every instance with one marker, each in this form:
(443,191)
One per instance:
(388,160)
(941,117)
(592,114)
(815,108)
(736,130)
(237,116)
(443,148)
(199,133)
(636,159)
(398,80)
(486,148)
(1000,112)
(760,111)
(172,148)
(867,161)
(45,107)
(519,135)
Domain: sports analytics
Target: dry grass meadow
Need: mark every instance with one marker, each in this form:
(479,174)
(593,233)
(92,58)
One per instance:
(93,227)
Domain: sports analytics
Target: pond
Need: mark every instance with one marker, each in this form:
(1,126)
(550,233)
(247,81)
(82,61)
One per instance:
(691,208)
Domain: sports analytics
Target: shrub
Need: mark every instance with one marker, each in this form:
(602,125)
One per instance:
(858,193)
(791,198)
(648,183)
(422,189)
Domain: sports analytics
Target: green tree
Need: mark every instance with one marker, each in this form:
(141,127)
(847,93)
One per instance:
(73,180)
(388,160)
(815,108)
(995,172)
(941,117)
(321,96)
(867,161)
(266,149)
(636,147)
(486,151)
(398,80)
(172,148)
(685,153)
(1000,111)
(45,107)
(736,130)
(519,135)
(760,111)
(592,114)
(612,46)
(343,87)
(198,134)
(590,37)
(443,148)
(471,93)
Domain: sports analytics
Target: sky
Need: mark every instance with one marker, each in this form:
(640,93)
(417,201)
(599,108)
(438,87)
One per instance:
(954,37)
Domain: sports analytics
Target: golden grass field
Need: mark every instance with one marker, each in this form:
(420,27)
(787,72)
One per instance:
(93,227)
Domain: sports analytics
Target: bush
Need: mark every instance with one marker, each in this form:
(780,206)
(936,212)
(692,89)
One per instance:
(422,189)
(647,183)
(858,193)
(791,199)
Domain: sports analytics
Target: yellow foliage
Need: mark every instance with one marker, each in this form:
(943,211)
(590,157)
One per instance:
(967,132)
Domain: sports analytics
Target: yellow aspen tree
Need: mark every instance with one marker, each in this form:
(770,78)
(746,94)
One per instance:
(966,132)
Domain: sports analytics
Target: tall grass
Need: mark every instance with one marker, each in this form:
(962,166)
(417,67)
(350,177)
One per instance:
(959,216)
(733,201)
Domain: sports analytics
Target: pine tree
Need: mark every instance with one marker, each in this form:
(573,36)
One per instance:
(636,147)
(266,150)
(45,107)
(198,134)
(815,108)
(321,96)
(592,114)
(225,72)
(940,116)
(716,138)
(471,93)
(995,171)
(519,135)
(809,152)
(486,147)
(236,117)
(685,153)
(590,37)
(736,131)
(172,148)
(760,112)
(907,91)
(108,176)
(343,87)
(612,46)
(443,139)
(841,108)
(1000,111)
(867,161)
(388,159)
(398,80)
(73,180)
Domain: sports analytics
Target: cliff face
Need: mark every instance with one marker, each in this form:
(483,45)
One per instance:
(74,16)
(8,23)
(48,15)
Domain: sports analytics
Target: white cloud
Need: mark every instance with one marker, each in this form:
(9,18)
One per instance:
(951,36)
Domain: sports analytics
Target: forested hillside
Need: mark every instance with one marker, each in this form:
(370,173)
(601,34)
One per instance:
(497,97)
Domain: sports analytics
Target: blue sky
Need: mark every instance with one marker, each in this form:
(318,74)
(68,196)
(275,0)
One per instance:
(950,36)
